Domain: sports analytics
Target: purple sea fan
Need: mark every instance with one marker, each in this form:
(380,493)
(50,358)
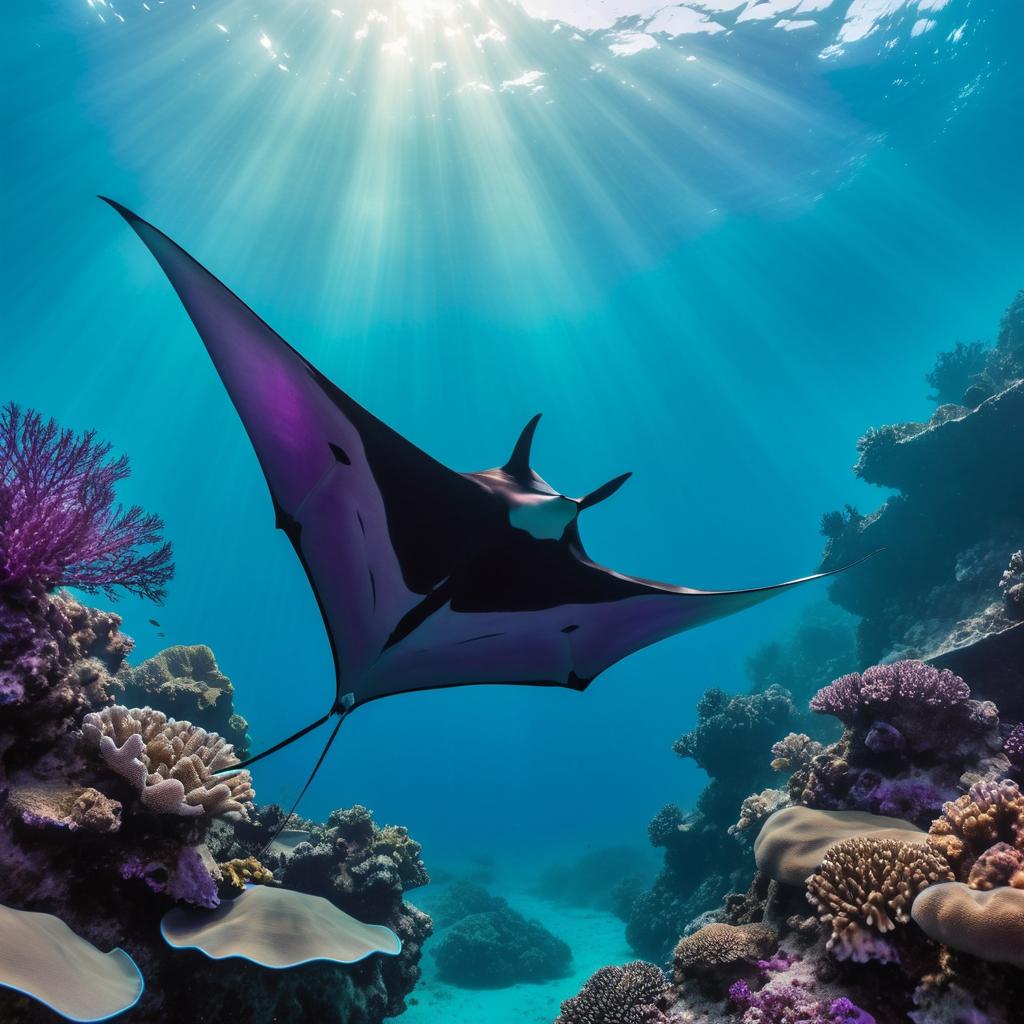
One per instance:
(59,525)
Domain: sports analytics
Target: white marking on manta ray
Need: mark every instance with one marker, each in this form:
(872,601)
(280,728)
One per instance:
(542,516)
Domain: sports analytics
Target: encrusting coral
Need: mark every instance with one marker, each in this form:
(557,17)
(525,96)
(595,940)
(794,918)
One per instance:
(864,889)
(171,765)
(618,995)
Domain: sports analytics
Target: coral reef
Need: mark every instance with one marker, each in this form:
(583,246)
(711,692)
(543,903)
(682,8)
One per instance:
(864,888)
(462,899)
(172,765)
(618,995)
(987,925)
(497,948)
(186,683)
(236,874)
(600,878)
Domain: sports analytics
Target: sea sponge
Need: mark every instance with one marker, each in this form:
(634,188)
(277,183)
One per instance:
(56,804)
(988,925)
(722,952)
(42,957)
(236,874)
(618,995)
(793,841)
(171,764)
(988,814)
(277,928)
(864,889)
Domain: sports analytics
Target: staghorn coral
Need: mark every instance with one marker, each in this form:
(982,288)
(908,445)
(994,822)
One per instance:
(170,764)
(186,683)
(237,874)
(990,813)
(59,525)
(864,889)
(718,954)
(618,995)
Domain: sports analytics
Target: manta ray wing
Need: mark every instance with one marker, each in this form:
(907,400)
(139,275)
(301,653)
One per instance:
(425,577)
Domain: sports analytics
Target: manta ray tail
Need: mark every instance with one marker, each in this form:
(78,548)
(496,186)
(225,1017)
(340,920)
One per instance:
(312,775)
(277,746)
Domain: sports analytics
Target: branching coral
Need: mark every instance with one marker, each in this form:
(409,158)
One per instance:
(172,765)
(865,888)
(238,873)
(990,813)
(59,525)
(877,688)
(795,750)
(618,995)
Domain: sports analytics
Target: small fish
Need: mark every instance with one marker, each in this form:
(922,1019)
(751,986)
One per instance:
(161,634)
(153,622)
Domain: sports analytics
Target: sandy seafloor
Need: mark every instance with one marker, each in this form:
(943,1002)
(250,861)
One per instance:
(596,937)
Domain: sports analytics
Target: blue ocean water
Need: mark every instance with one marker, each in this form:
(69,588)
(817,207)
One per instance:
(712,248)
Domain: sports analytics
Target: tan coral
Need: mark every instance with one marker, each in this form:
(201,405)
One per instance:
(793,841)
(988,814)
(864,889)
(173,765)
(988,925)
(57,804)
(722,952)
(998,865)
(242,871)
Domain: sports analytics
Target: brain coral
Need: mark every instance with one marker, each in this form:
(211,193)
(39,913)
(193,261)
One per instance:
(988,925)
(722,951)
(865,887)
(793,841)
(618,995)
(990,813)
(171,764)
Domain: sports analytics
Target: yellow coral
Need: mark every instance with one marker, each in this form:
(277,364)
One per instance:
(239,872)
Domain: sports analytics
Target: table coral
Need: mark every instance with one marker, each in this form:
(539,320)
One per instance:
(864,889)
(618,995)
(172,765)
(988,814)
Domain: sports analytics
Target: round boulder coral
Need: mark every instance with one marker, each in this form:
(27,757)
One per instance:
(865,888)
(718,954)
(988,925)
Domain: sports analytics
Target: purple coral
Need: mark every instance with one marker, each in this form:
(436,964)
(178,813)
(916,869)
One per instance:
(59,525)
(906,682)
(1014,745)
(618,995)
(793,1005)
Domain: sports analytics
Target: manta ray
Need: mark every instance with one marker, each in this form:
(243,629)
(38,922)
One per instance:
(425,577)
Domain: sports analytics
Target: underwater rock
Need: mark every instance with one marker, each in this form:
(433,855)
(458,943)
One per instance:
(462,899)
(988,925)
(55,804)
(42,957)
(618,995)
(277,928)
(864,888)
(186,683)
(794,841)
(498,948)
(172,765)
(596,878)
